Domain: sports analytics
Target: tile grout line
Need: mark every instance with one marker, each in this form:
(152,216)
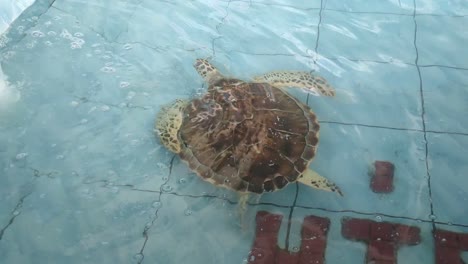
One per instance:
(423,113)
(148,226)
(291,211)
(353,60)
(131,187)
(223,20)
(393,128)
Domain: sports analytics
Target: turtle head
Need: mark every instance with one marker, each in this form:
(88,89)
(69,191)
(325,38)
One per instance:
(207,71)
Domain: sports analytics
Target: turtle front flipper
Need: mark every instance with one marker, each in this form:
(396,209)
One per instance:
(314,180)
(309,83)
(168,123)
(207,71)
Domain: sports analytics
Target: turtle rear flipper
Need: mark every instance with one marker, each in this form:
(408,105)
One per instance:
(168,123)
(309,83)
(314,180)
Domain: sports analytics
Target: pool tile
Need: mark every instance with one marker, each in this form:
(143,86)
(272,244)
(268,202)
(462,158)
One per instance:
(287,3)
(437,45)
(96,15)
(77,223)
(447,166)
(292,27)
(363,95)
(445,96)
(387,6)
(346,155)
(449,7)
(190,224)
(378,37)
(167,28)
(342,250)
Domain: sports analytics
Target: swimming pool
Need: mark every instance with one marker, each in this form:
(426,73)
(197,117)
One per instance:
(85,180)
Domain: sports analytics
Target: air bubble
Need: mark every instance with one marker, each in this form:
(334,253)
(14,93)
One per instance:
(432,217)
(78,34)
(166,188)
(182,181)
(37,34)
(378,218)
(124,84)
(30,45)
(127,46)
(16,212)
(188,212)
(47,43)
(21,156)
(138,257)
(105,108)
(52,33)
(161,165)
(65,34)
(75,45)
(107,69)
(156,205)
(130,95)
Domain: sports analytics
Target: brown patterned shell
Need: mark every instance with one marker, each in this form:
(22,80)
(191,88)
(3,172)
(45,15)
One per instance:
(250,137)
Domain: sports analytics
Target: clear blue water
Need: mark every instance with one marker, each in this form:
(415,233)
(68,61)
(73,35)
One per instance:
(85,180)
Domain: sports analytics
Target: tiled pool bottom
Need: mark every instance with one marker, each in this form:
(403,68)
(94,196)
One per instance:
(84,180)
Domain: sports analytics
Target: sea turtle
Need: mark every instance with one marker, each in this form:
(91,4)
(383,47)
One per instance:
(251,137)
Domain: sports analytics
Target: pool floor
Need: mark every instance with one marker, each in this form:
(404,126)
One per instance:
(85,180)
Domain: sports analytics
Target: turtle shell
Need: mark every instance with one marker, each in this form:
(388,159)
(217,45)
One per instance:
(249,137)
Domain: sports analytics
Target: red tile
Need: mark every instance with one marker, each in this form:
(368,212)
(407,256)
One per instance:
(382,231)
(409,235)
(265,244)
(383,262)
(315,226)
(382,181)
(463,240)
(381,250)
(262,256)
(356,229)
(266,251)
(445,238)
(267,222)
(446,255)
(317,245)
(285,257)
(311,259)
